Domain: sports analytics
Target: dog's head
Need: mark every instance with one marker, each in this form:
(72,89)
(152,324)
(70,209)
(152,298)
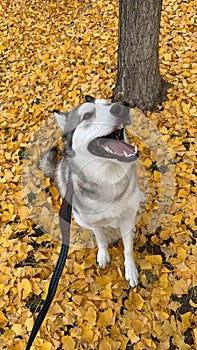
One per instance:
(96,128)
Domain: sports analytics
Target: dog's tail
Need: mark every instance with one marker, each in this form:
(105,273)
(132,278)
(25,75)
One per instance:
(48,162)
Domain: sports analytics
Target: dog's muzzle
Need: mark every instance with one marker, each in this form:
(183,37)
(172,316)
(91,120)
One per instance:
(113,145)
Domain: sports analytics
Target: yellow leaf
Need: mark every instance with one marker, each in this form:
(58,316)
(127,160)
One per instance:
(192,303)
(11,208)
(54,192)
(177,217)
(103,280)
(195,335)
(186,319)
(19,346)
(8,175)
(46,182)
(157,328)
(185,107)
(77,299)
(146,217)
(132,336)
(29,322)
(149,343)
(147,163)
(46,346)
(161,315)
(90,315)
(139,326)
(68,343)
(167,56)
(138,301)
(182,193)
(6,216)
(165,234)
(166,328)
(180,286)
(23,212)
(154,259)
(3,319)
(179,341)
(108,291)
(87,333)
(26,286)
(18,329)
(56,309)
(181,254)
(105,318)
(156,175)
(183,7)
(8,334)
(1,288)
(183,166)
(144,265)
(186,73)
(105,344)
(164,280)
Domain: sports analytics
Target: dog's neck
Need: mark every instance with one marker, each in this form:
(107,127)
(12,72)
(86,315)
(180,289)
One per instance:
(97,171)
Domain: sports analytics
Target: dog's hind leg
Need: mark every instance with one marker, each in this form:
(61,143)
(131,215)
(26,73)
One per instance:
(102,256)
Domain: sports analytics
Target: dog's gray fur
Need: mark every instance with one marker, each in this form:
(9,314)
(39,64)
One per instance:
(106,192)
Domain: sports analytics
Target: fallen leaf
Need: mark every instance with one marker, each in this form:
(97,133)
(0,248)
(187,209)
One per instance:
(105,318)
(68,342)
(132,336)
(26,286)
(3,319)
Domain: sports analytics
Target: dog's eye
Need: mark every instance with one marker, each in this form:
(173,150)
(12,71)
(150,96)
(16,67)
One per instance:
(87,115)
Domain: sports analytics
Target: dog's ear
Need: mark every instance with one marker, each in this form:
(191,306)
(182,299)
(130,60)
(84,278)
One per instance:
(89,99)
(60,119)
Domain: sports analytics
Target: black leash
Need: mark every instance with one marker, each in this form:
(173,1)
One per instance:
(65,220)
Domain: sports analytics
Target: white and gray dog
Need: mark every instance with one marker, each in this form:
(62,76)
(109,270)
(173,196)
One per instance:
(102,161)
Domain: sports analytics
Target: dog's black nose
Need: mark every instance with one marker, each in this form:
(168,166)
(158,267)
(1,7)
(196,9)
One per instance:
(119,110)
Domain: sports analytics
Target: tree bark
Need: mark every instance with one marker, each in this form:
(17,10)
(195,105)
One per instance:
(138,79)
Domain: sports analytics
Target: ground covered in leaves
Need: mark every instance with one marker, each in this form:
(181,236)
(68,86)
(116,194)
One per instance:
(52,54)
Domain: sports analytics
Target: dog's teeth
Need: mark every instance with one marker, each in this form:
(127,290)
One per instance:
(107,149)
(128,155)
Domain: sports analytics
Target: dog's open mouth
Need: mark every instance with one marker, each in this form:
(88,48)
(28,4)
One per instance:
(113,146)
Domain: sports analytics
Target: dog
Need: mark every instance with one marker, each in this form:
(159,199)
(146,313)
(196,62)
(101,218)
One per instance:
(103,165)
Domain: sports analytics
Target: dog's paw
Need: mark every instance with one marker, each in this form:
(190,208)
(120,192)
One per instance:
(131,273)
(103,257)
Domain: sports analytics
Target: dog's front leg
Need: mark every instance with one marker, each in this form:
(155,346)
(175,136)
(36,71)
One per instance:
(102,256)
(131,273)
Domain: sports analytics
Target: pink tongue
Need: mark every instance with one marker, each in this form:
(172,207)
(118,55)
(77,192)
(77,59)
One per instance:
(119,147)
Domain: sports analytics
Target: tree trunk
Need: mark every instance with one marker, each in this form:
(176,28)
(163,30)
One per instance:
(138,80)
